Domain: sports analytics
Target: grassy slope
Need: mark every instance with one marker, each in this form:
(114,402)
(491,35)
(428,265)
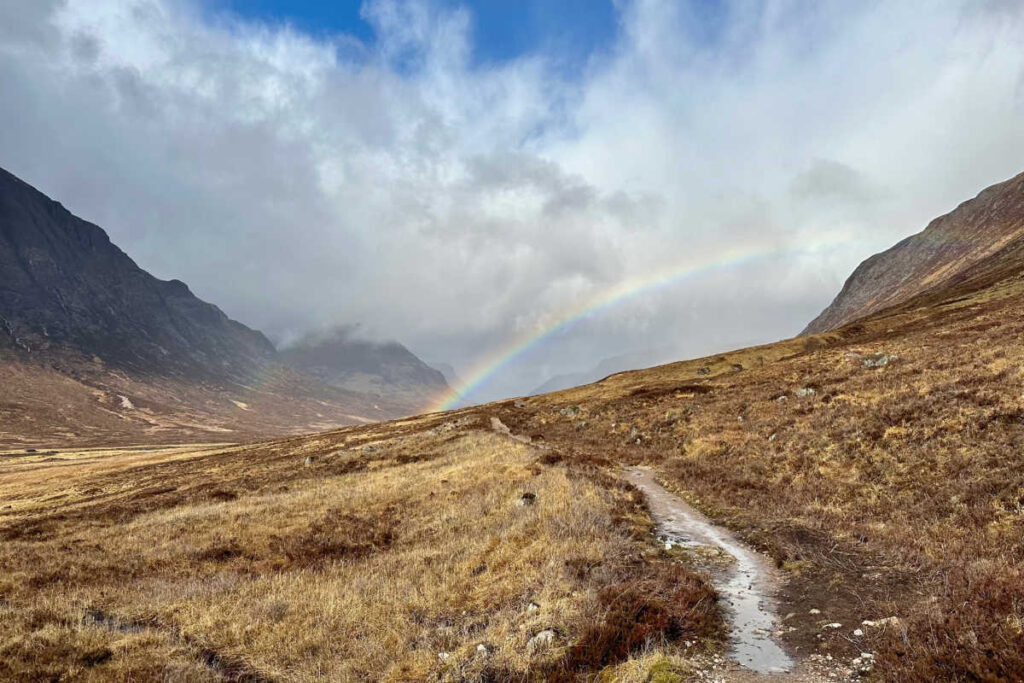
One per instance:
(390,545)
(892,491)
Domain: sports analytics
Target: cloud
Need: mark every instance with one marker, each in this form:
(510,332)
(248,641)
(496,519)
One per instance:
(301,182)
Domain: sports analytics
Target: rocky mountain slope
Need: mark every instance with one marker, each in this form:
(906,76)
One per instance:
(385,370)
(93,349)
(67,287)
(976,231)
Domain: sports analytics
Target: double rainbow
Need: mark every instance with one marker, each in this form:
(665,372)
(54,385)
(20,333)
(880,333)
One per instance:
(494,362)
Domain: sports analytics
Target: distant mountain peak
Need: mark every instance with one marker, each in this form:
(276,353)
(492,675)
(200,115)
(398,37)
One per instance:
(340,358)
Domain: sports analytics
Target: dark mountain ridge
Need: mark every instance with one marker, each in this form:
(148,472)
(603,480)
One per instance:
(95,350)
(67,287)
(385,369)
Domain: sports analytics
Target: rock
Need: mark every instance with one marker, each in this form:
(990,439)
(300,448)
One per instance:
(834,626)
(526,499)
(541,641)
(878,360)
(857,632)
(443,656)
(879,623)
(704,371)
(520,404)
(781,399)
(815,611)
(532,607)
(309,460)
(500,427)
(805,391)
(483,649)
(570,411)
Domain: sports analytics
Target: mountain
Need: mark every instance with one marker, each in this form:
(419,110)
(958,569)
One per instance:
(385,370)
(67,287)
(95,349)
(984,229)
(448,371)
(608,366)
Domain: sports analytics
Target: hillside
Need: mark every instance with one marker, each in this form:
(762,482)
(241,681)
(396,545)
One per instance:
(876,466)
(951,245)
(95,350)
(383,370)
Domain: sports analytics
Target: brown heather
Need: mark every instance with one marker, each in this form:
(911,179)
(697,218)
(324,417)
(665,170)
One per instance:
(391,546)
(893,491)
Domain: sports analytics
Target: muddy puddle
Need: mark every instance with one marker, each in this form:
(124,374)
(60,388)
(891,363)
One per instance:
(746,585)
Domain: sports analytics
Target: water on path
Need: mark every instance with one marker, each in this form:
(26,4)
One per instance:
(746,586)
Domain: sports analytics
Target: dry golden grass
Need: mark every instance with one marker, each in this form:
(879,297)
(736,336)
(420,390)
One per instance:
(389,546)
(890,491)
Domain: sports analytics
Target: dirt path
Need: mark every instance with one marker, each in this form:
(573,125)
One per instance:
(747,582)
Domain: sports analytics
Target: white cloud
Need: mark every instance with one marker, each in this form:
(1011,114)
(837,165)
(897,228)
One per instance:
(300,181)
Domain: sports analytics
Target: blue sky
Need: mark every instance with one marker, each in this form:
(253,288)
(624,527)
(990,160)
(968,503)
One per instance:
(502,29)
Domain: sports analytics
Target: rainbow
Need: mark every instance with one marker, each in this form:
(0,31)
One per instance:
(493,363)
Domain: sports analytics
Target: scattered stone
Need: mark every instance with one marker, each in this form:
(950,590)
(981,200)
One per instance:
(309,460)
(126,402)
(453,424)
(789,616)
(704,371)
(526,499)
(857,632)
(532,607)
(815,611)
(737,367)
(772,437)
(570,411)
(443,656)
(483,649)
(520,404)
(834,625)
(540,641)
(781,399)
(805,391)
(878,360)
(878,623)
(500,427)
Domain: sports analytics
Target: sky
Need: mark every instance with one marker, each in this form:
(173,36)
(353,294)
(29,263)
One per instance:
(579,180)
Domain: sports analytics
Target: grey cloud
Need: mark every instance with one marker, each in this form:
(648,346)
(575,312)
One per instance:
(828,180)
(303,182)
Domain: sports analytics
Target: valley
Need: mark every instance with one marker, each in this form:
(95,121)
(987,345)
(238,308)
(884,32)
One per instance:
(465,341)
(866,463)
